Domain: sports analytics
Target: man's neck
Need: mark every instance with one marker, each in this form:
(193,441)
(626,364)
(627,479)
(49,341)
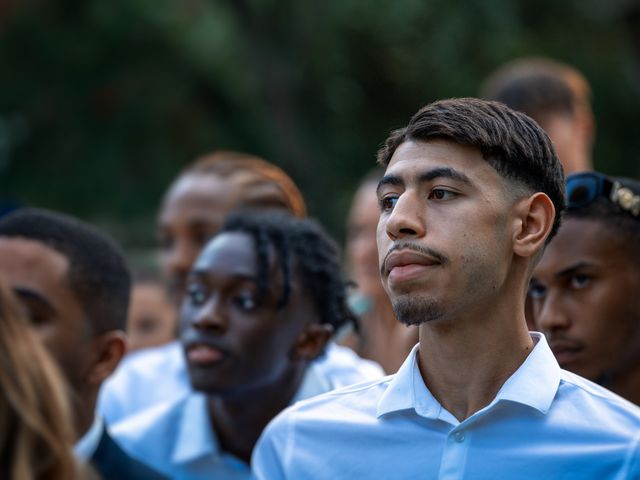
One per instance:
(465,361)
(238,421)
(627,386)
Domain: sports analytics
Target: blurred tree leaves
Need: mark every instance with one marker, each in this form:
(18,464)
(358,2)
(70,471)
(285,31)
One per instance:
(103,102)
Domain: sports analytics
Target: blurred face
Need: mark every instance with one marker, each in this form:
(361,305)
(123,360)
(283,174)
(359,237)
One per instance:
(192,212)
(362,250)
(569,143)
(443,242)
(152,318)
(585,299)
(39,276)
(235,342)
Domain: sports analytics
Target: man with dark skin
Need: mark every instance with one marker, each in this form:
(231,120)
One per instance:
(471,193)
(192,211)
(584,291)
(263,298)
(74,285)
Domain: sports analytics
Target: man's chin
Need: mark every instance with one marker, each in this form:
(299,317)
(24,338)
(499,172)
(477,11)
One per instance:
(413,310)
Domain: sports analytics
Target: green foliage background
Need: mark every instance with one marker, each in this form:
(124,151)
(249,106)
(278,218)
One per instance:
(102,102)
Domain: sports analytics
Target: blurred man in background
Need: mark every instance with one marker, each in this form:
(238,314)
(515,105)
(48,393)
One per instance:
(152,318)
(192,211)
(263,299)
(585,291)
(74,285)
(555,95)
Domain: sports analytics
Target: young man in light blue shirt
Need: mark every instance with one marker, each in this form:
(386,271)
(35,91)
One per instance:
(471,194)
(263,298)
(192,211)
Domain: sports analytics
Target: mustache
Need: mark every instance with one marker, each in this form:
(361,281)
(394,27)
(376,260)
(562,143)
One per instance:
(555,338)
(422,250)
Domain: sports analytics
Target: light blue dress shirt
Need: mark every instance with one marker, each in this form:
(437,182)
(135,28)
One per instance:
(545,423)
(159,375)
(178,439)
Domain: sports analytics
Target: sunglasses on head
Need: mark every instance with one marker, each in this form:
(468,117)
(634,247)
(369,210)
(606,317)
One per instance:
(585,188)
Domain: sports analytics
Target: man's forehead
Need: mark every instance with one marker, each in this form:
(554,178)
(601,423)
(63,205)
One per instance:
(226,247)
(578,242)
(31,266)
(435,148)
(28,253)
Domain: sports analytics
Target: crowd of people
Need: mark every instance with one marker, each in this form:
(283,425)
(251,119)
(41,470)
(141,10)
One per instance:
(484,323)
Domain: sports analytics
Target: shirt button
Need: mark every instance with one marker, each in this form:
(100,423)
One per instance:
(458,437)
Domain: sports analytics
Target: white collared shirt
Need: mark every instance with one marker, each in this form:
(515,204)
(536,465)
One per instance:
(159,375)
(178,439)
(544,423)
(88,444)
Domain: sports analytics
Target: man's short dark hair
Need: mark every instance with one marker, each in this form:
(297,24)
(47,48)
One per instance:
(539,87)
(613,217)
(98,274)
(509,141)
(301,245)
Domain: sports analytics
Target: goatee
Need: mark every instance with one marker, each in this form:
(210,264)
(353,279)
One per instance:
(416,310)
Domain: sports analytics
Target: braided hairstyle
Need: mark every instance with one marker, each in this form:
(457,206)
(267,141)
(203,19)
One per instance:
(305,251)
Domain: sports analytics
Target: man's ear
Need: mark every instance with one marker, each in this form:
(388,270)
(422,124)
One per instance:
(534,220)
(108,348)
(311,342)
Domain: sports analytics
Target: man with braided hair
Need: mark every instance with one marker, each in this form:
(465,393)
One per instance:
(263,299)
(192,211)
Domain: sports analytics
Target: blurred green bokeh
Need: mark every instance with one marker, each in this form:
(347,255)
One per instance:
(101,103)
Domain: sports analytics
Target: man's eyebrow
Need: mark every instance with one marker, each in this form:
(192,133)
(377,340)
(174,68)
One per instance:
(201,273)
(444,172)
(390,180)
(33,297)
(566,272)
(425,177)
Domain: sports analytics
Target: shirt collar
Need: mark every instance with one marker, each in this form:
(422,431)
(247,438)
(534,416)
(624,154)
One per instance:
(195,437)
(534,384)
(88,443)
(313,383)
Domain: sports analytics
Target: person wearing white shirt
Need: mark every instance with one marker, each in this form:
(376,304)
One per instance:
(471,194)
(264,296)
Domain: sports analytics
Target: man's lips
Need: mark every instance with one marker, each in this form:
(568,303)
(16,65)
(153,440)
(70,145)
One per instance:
(204,354)
(565,351)
(406,264)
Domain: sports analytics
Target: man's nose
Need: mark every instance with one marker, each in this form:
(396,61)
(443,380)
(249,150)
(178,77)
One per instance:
(408,217)
(211,316)
(552,315)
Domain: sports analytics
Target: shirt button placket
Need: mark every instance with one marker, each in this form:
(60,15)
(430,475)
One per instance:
(454,456)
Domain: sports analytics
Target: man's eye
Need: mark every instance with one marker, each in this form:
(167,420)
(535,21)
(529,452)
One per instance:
(245,302)
(441,194)
(536,290)
(579,281)
(165,241)
(387,203)
(196,294)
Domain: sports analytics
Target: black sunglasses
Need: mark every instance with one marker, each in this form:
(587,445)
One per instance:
(585,188)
